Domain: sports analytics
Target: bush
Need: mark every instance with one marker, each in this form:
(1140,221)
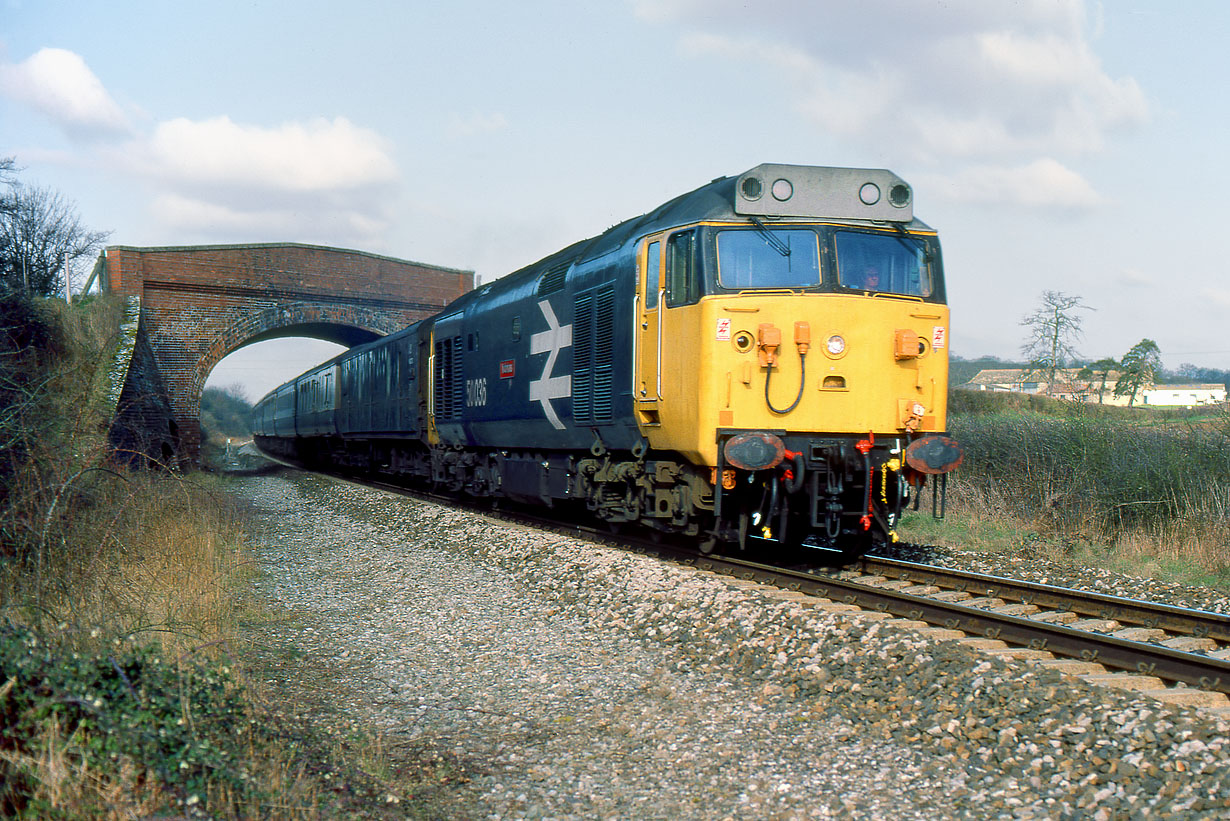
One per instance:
(30,340)
(92,554)
(110,581)
(1102,473)
(124,717)
(50,427)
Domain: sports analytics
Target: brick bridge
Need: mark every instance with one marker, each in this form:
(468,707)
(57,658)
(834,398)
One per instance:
(200,303)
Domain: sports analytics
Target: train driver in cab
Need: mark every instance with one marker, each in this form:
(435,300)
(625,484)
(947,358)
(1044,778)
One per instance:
(871,278)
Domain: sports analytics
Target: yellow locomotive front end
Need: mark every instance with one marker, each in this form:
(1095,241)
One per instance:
(799,353)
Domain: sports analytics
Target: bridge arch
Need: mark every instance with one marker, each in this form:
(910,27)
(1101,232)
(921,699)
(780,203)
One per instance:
(201,303)
(333,323)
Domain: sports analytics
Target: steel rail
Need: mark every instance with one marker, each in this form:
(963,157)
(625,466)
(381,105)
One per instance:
(1199,623)
(1192,669)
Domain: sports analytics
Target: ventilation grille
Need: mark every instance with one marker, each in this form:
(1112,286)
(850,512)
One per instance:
(449,389)
(553,279)
(593,339)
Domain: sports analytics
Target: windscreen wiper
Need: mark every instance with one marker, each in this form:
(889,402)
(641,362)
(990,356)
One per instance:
(911,242)
(770,238)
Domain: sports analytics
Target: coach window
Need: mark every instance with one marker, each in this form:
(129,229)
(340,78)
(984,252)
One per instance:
(682,274)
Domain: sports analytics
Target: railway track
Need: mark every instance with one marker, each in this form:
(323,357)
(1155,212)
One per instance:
(1173,654)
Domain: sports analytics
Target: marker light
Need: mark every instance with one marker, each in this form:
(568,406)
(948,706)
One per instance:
(869,193)
(835,345)
(899,195)
(782,190)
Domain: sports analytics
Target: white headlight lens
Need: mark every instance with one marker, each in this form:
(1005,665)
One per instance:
(835,345)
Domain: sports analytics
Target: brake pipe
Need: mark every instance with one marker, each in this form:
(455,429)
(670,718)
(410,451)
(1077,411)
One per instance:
(864,447)
(802,341)
(792,477)
(802,385)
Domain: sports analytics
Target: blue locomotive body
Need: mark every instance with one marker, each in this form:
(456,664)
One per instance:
(626,372)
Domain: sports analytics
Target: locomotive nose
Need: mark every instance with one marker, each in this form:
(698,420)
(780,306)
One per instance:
(754,450)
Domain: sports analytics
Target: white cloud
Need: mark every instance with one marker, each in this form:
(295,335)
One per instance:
(60,85)
(319,155)
(1135,278)
(994,84)
(316,222)
(316,180)
(1045,183)
(475,122)
(1216,296)
(326,181)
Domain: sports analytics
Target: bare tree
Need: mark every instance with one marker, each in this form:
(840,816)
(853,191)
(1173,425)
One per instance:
(8,176)
(40,234)
(1054,328)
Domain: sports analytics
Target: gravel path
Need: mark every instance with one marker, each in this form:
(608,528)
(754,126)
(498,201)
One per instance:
(572,681)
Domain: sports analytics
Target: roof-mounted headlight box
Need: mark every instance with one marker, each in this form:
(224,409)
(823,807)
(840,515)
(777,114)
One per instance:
(772,190)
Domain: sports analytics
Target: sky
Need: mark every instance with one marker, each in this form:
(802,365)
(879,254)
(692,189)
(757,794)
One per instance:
(1055,145)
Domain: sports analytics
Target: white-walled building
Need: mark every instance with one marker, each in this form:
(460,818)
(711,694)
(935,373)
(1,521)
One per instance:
(1095,389)
(1185,396)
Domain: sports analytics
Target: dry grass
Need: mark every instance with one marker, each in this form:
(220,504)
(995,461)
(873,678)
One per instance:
(123,600)
(988,516)
(133,554)
(165,569)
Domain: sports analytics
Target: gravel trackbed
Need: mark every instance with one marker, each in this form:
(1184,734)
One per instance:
(567,680)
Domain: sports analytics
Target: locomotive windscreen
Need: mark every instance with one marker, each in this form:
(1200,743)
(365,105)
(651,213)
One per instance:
(889,263)
(768,259)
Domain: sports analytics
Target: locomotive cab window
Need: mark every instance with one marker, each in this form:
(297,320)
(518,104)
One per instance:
(653,274)
(768,258)
(886,263)
(682,269)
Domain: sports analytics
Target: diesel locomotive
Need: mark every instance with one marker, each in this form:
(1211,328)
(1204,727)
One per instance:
(761,361)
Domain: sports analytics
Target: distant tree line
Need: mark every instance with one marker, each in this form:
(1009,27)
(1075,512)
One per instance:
(224,413)
(41,237)
(1053,330)
(961,370)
